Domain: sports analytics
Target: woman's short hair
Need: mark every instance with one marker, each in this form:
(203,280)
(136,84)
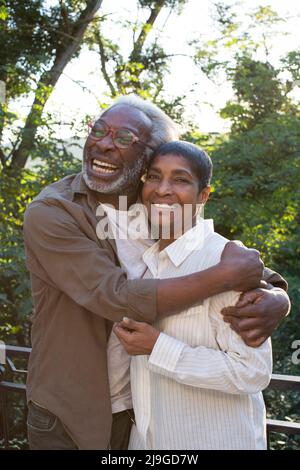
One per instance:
(198,159)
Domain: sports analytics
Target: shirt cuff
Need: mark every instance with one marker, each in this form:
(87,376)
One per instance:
(142,299)
(165,354)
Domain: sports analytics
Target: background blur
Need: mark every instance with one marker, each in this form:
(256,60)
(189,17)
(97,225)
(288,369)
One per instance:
(227,72)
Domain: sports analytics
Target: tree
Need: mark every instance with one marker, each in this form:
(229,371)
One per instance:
(36,44)
(257,164)
(143,70)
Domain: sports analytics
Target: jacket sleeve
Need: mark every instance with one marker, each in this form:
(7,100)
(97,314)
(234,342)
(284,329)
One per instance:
(62,255)
(275,279)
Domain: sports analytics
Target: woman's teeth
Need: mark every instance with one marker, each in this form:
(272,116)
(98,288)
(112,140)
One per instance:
(166,206)
(103,167)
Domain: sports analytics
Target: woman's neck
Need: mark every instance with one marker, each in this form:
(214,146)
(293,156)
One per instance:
(164,242)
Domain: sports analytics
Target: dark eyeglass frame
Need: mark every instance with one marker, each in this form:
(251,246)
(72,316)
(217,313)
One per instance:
(110,130)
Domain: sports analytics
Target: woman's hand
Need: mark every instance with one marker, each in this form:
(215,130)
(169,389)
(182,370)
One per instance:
(138,338)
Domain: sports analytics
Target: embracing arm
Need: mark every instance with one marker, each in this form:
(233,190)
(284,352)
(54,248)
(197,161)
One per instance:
(67,257)
(231,367)
(238,269)
(274,279)
(257,314)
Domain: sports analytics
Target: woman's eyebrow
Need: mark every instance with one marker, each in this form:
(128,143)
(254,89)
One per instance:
(154,168)
(179,171)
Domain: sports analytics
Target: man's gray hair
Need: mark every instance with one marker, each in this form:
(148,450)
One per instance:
(163,128)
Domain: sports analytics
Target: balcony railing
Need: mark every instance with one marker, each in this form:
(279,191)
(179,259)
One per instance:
(15,353)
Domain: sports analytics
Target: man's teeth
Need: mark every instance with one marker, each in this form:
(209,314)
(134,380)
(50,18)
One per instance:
(166,206)
(103,167)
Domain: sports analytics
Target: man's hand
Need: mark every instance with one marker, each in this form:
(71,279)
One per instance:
(257,314)
(242,267)
(138,338)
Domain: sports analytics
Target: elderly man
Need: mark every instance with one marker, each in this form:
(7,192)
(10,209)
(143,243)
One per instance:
(78,383)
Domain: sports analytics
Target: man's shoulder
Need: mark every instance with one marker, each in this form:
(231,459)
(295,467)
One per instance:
(58,195)
(61,189)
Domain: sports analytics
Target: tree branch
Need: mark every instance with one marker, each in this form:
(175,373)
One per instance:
(103,60)
(2,158)
(49,79)
(147,27)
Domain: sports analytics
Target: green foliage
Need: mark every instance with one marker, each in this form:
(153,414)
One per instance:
(256,180)
(17,189)
(31,33)
(142,70)
(259,168)
(258,92)
(37,40)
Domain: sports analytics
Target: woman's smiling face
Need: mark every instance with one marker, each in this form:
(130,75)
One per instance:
(171,194)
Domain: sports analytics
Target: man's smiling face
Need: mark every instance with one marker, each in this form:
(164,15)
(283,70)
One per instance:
(109,169)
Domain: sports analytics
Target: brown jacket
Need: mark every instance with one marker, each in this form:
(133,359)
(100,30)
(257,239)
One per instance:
(78,292)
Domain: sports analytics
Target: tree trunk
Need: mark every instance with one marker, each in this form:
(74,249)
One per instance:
(47,82)
(147,27)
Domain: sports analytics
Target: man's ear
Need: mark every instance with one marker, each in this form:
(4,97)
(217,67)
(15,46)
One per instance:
(204,195)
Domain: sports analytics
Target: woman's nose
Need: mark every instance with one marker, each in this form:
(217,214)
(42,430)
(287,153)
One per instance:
(163,188)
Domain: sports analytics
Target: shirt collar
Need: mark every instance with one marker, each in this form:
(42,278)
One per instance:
(181,248)
(78,186)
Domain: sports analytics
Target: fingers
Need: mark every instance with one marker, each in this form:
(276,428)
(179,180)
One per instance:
(251,330)
(250,310)
(245,299)
(238,242)
(254,338)
(122,333)
(241,325)
(249,297)
(132,324)
(263,284)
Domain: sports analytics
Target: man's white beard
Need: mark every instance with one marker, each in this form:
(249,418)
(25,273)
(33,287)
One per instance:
(127,181)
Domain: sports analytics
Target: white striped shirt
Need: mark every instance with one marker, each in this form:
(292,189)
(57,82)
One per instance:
(201,386)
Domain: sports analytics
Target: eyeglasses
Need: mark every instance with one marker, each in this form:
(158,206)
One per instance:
(122,138)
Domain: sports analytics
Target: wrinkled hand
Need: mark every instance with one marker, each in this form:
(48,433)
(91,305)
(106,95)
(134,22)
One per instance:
(138,338)
(242,267)
(257,314)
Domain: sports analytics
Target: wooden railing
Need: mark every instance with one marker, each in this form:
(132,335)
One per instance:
(278,382)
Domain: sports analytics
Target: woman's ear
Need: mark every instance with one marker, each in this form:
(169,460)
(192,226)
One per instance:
(204,195)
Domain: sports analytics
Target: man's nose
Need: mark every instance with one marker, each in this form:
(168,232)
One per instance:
(106,143)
